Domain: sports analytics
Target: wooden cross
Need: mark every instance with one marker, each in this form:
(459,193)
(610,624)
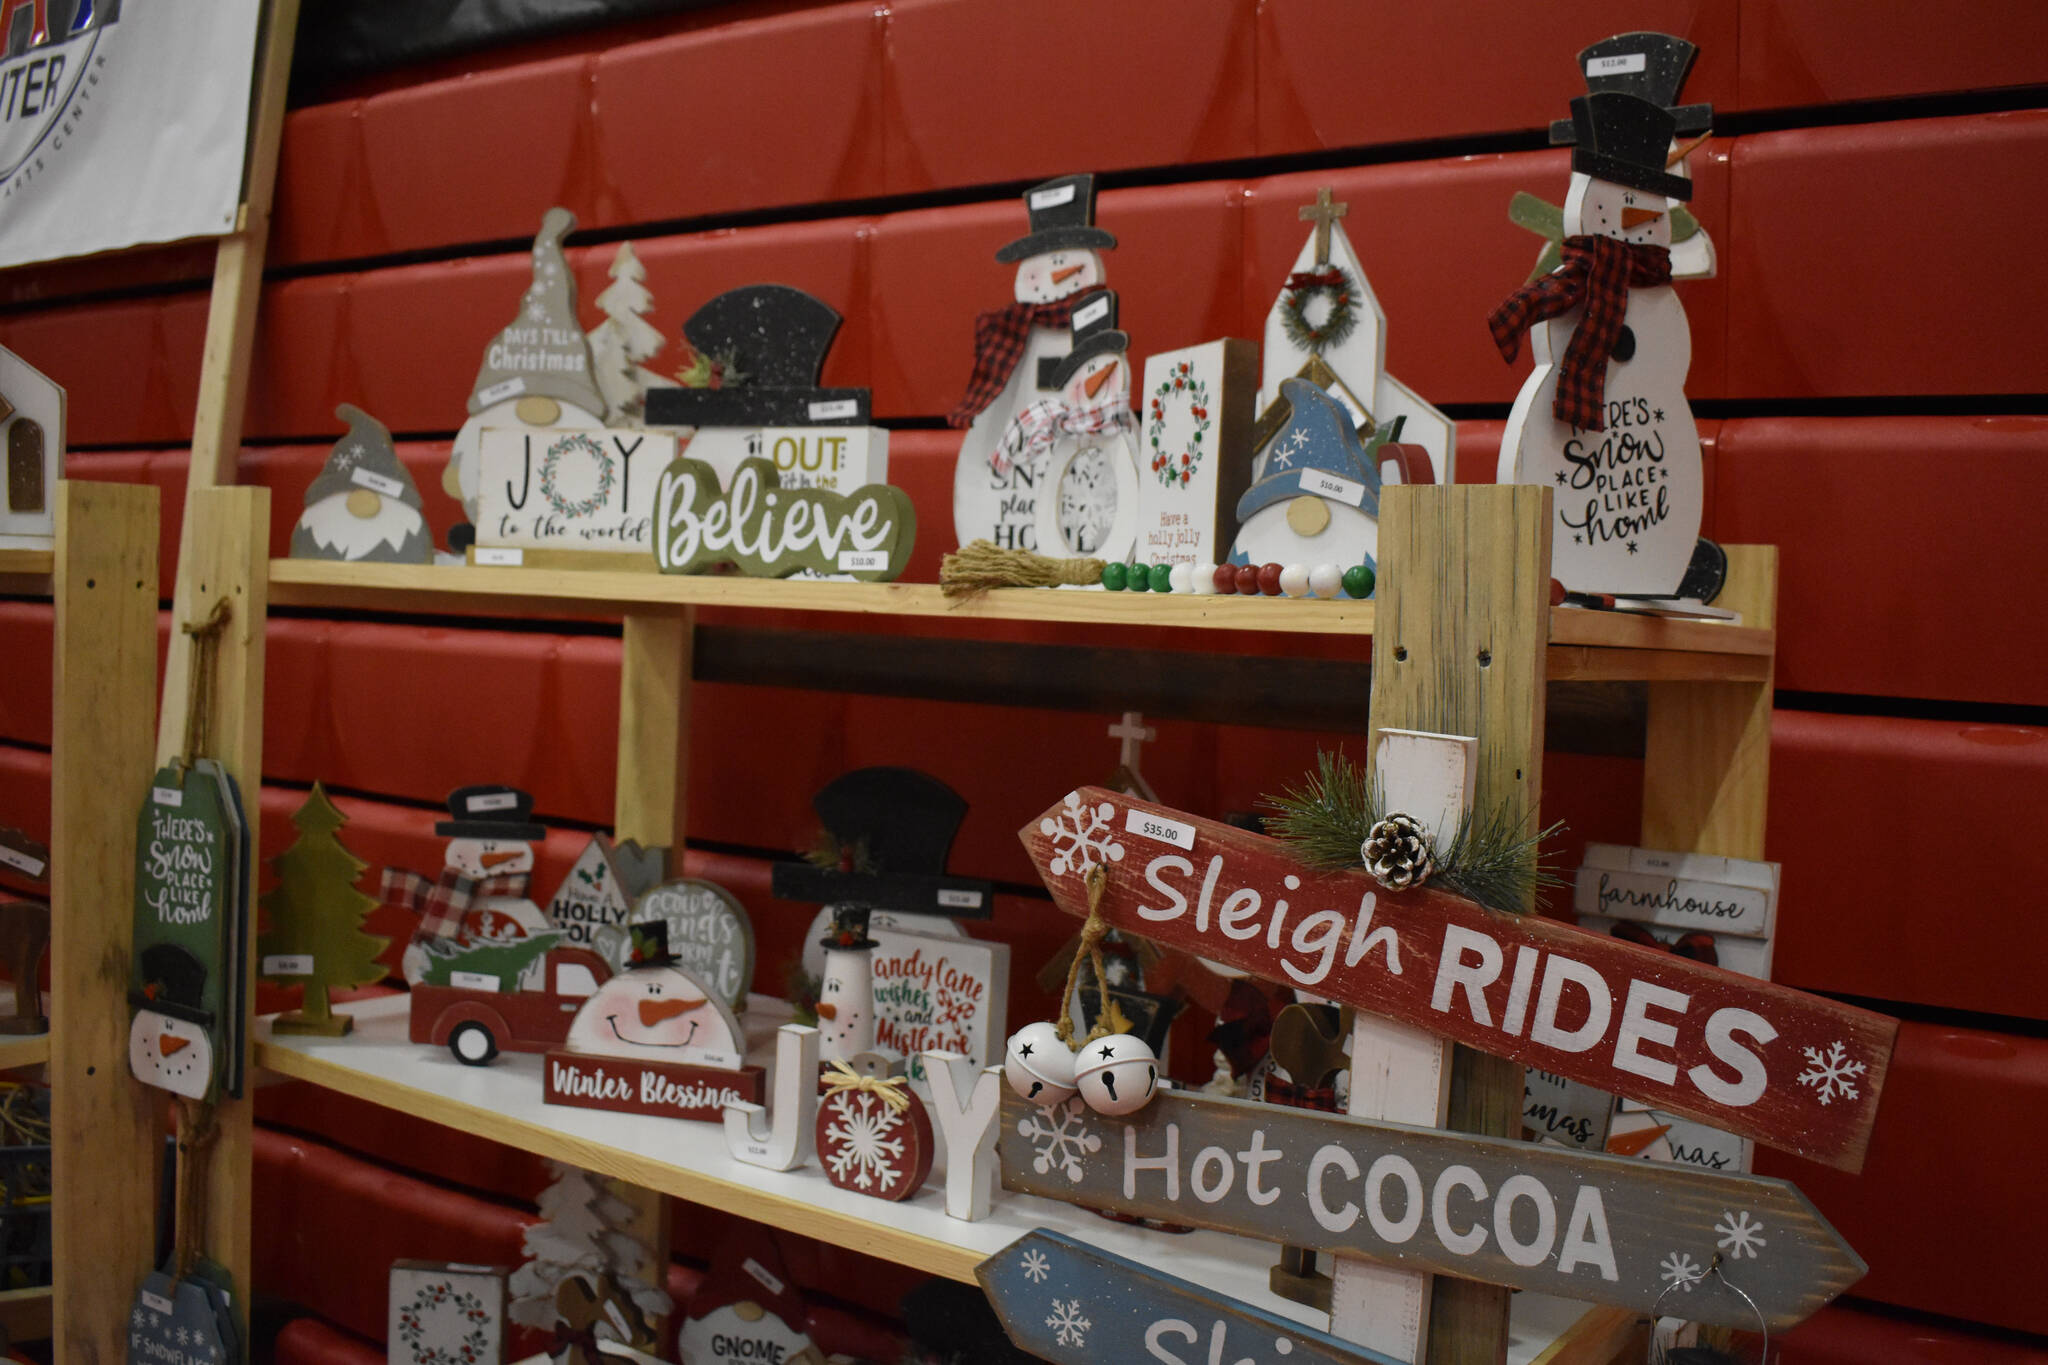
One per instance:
(1133,731)
(1322,213)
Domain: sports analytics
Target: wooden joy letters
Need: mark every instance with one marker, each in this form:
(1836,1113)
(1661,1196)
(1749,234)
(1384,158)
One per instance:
(1786,1068)
(771,532)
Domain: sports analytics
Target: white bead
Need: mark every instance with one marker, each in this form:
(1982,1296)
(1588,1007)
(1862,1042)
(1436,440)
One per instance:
(1182,578)
(1204,579)
(1294,581)
(1117,1075)
(1326,580)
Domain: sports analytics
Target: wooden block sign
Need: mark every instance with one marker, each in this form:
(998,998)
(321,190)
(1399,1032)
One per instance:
(709,931)
(1065,1301)
(441,1311)
(771,532)
(934,993)
(1789,1069)
(1677,890)
(673,1090)
(1194,450)
(570,490)
(837,458)
(1573,1224)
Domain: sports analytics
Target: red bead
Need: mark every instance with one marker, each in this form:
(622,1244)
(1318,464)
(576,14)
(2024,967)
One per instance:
(1247,580)
(1269,579)
(1225,578)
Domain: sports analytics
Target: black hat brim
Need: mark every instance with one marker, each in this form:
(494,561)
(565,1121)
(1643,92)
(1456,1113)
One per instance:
(908,893)
(1692,119)
(190,1014)
(1100,343)
(489,829)
(1618,172)
(1055,239)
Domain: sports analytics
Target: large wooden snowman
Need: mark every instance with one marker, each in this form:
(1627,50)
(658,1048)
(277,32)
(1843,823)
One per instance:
(1603,419)
(1017,348)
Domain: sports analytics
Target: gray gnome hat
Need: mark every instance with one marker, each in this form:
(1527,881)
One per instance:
(543,350)
(364,459)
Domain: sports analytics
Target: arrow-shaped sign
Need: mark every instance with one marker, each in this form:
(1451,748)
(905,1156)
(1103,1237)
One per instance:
(1066,1301)
(1789,1069)
(1573,1224)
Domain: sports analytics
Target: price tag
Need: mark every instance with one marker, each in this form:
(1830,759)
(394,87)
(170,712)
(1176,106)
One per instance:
(1159,827)
(288,964)
(1054,197)
(473,981)
(835,409)
(1093,313)
(1620,64)
(156,1303)
(960,900)
(376,483)
(1328,485)
(770,1281)
(500,556)
(863,561)
(33,867)
(500,391)
(464,1268)
(491,801)
(167,796)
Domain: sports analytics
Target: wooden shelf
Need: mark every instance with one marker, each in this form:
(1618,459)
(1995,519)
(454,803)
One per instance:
(20,1051)
(26,573)
(502,1102)
(25,1313)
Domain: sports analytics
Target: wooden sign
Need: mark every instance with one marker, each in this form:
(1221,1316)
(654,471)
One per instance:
(709,932)
(1563,1111)
(934,993)
(32,448)
(874,1137)
(1789,1069)
(591,897)
(1572,1224)
(837,458)
(184,1321)
(180,979)
(1677,890)
(1065,1301)
(440,1311)
(570,490)
(1194,450)
(673,1090)
(771,532)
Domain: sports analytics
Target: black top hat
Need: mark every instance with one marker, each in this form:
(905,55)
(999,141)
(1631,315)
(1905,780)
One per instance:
(1095,333)
(903,821)
(1622,139)
(849,928)
(777,336)
(174,982)
(1062,217)
(649,945)
(1650,66)
(490,811)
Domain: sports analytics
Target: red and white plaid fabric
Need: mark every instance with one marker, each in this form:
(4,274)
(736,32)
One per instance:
(1038,426)
(999,339)
(1598,271)
(442,904)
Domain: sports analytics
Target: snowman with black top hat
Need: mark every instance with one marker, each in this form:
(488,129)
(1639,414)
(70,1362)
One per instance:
(481,895)
(1080,438)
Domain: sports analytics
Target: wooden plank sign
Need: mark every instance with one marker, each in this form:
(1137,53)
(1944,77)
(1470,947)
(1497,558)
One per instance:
(769,531)
(1065,1301)
(1677,890)
(1573,1224)
(570,490)
(1786,1068)
(673,1090)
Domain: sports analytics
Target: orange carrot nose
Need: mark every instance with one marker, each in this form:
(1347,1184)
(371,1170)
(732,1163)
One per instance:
(653,1012)
(500,859)
(1637,217)
(1632,1144)
(170,1046)
(827,1010)
(1062,276)
(1094,382)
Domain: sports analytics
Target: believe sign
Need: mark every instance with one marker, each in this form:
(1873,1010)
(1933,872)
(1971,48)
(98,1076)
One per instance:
(1786,1068)
(1573,1224)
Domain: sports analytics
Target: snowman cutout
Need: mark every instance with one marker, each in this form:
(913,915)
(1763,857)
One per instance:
(170,1040)
(656,1011)
(1081,438)
(364,506)
(1058,261)
(846,996)
(1603,420)
(486,868)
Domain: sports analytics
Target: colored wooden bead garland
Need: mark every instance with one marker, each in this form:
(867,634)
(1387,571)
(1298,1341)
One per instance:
(1252,580)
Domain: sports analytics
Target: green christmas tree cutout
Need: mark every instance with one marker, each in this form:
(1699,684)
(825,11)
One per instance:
(315,913)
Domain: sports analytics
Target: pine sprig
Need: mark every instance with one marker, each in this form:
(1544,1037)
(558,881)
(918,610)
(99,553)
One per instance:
(1328,814)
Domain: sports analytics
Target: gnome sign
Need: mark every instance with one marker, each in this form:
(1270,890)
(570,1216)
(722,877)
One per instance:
(1603,418)
(364,505)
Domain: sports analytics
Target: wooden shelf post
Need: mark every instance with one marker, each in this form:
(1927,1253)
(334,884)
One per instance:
(102,1131)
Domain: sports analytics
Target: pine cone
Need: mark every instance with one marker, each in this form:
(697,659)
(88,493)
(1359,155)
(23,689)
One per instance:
(1397,853)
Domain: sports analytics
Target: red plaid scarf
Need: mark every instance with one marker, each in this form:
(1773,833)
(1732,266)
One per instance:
(1599,272)
(442,904)
(1038,426)
(999,338)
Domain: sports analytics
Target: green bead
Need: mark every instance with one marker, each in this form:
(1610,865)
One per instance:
(1162,578)
(1113,576)
(1140,579)
(1358,581)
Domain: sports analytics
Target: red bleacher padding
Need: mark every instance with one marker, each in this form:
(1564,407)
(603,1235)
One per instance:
(1798,52)
(309,1341)
(1843,1334)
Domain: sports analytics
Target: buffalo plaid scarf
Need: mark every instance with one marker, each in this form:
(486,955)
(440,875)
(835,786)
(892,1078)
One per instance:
(1599,272)
(1038,426)
(999,338)
(442,904)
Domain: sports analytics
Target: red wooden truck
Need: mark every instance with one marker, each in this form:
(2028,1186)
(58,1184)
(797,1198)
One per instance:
(478,1024)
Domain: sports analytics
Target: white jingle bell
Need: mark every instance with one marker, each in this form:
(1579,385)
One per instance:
(1118,1074)
(1038,1064)
(1326,580)
(1294,581)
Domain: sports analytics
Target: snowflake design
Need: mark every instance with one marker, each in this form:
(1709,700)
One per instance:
(1069,1327)
(1063,1131)
(1680,1271)
(1831,1073)
(1035,1266)
(135,1318)
(865,1152)
(181,1336)
(1740,1235)
(1079,834)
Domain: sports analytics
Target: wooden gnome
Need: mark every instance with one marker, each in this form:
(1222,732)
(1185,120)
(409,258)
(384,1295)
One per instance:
(536,373)
(746,1310)
(315,938)
(1603,419)
(1015,348)
(364,506)
(480,895)
(1318,502)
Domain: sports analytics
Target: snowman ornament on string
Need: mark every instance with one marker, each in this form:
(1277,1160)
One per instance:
(1603,419)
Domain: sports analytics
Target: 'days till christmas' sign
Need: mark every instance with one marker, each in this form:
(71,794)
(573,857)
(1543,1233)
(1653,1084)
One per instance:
(1786,1068)
(769,531)
(1573,1224)
(570,490)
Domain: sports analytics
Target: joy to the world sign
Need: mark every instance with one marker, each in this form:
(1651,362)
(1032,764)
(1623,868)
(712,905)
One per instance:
(1786,1068)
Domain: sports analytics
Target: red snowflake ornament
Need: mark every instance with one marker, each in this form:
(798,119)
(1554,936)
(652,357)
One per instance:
(870,1144)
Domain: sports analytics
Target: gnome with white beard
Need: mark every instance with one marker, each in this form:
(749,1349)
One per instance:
(364,506)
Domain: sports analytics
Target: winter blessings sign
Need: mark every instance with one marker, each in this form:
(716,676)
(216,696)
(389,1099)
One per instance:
(569,490)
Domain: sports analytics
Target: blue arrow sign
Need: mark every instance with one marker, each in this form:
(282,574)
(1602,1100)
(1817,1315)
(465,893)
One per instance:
(1066,1301)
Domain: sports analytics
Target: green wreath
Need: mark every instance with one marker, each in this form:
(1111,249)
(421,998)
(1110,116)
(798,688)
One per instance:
(1330,282)
(1172,468)
(470,1307)
(553,459)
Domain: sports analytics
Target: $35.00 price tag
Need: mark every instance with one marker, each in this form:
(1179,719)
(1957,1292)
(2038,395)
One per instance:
(1159,827)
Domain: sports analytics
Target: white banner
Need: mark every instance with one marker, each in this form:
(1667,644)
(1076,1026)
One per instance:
(121,122)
